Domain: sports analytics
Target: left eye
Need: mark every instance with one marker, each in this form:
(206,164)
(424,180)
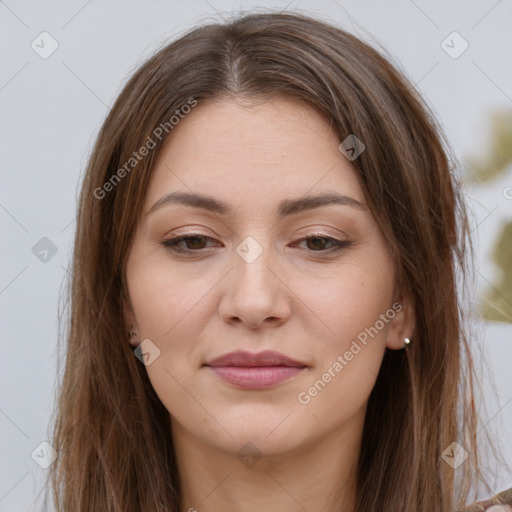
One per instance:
(318,243)
(195,243)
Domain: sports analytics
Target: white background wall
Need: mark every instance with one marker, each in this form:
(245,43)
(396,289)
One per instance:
(51,110)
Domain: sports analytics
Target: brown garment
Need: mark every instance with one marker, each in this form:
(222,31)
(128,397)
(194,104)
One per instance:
(503,498)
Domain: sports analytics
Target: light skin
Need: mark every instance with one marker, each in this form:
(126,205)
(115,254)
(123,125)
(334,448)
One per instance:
(298,297)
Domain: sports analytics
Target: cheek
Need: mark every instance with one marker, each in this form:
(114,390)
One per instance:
(349,300)
(165,299)
(171,310)
(355,303)
(350,304)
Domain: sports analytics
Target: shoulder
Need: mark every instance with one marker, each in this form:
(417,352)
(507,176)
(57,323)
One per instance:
(502,502)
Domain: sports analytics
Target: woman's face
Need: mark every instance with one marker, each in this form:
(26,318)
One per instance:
(267,267)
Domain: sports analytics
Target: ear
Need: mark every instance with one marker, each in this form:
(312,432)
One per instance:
(402,325)
(130,324)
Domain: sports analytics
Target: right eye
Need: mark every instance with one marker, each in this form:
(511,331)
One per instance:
(193,243)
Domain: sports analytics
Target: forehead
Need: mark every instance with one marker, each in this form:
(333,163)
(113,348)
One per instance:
(267,150)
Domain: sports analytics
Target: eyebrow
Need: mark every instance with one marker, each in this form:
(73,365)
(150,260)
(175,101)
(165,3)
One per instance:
(286,207)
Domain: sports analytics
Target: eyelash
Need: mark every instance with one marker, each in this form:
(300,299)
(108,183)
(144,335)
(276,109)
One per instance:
(172,243)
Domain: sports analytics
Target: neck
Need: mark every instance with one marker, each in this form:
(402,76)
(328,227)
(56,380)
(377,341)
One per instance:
(314,478)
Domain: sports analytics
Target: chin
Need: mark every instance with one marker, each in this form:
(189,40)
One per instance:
(256,444)
(256,431)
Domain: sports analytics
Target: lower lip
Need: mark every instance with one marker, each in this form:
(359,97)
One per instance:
(256,377)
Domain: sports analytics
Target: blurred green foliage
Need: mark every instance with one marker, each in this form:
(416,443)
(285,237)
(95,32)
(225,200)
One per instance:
(499,155)
(497,301)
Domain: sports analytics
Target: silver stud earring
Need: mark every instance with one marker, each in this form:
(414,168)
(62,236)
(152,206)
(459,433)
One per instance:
(407,342)
(131,334)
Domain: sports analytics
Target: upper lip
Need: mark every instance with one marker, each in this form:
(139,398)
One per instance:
(265,358)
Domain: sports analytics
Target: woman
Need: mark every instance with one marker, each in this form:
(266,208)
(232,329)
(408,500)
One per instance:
(264,310)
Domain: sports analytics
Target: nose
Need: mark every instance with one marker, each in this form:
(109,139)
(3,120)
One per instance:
(254,294)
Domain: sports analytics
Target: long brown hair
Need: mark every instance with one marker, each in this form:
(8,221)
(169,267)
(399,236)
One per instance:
(111,431)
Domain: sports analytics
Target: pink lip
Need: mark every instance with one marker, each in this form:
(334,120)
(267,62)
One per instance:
(255,371)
